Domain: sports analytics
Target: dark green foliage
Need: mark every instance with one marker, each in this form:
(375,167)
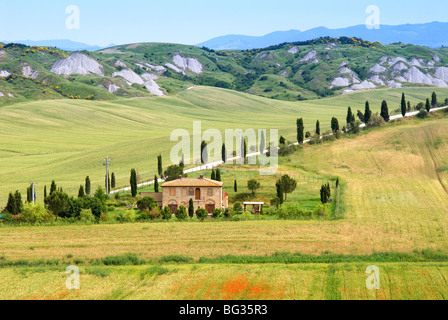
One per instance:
(282,140)
(113,181)
(191,208)
(217,213)
(278,186)
(101,195)
(423,114)
(235,186)
(156,184)
(58,203)
(360,116)
(253,185)
(213,176)
(350,117)
(367,113)
(318,127)
(159,165)
(181,213)
(19,202)
(166,213)
(224,153)
(173,172)
(409,107)
(434,100)
(11,206)
(428,105)
(286,185)
(201,214)
(337,183)
(237,208)
(334,124)
(218,175)
(87,189)
(385,111)
(53,187)
(81,193)
(403,105)
(133,182)
(146,204)
(300,130)
(325,193)
(29,197)
(45,192)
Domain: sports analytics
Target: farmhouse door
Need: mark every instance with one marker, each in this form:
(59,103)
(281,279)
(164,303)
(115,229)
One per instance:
(197,194)
(173,207)
(210,208)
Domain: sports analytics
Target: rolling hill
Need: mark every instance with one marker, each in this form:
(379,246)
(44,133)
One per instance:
(292,71)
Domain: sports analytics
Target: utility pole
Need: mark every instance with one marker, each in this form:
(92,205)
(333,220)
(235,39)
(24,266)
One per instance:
(107,164)
(32,190)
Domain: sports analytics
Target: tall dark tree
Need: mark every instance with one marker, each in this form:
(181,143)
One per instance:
(350,117)
(133,182)
(87,188)
(325,193)
(318,127)
(434,100)
(288,185)
(403,105)
(253,185)
(191,208)
(58,203)
(45,192)
(282,140)
(334,124)
(409,106)
(204,152)
(159,165)
(113,182)
(19,202)
(224,153)
(428,105)
(235,186)
(182,161)
(367,113)
(385,111)
(300,130)
(262,142)
(11,206)
(81,193)
(29,197)
(53,187)
(156,184)
(218,175)
(213,177)
(280,196)
(360,116)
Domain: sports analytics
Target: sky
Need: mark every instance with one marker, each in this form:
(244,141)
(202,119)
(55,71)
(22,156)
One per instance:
(102,22)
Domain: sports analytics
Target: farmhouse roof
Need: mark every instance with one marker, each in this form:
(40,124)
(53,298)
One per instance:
(193,182)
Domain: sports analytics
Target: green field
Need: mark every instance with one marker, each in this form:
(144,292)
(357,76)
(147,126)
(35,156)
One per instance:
(67,140)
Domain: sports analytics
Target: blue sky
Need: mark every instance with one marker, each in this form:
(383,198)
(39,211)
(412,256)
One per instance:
(190,22)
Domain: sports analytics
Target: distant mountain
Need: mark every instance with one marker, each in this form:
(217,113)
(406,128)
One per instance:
(433,35)
(61,44)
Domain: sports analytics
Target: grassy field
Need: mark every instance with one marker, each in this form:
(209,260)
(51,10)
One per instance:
(68,140)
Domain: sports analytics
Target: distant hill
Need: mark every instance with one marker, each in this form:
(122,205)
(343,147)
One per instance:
(433,35)
(294,71)
(61,44)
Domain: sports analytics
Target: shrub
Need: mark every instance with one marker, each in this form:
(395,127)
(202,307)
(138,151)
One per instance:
(423,114)
(104,217)
(228,212)
(237,208)
(166,213)
(202,214)
(246,215)
(181,213)
(217,213)
(375,121)
(292,211)
(315,140)
(322,210)
(36,213)
(86,215)
(154,213)
(147,203)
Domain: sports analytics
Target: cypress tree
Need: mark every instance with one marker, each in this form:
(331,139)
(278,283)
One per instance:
(318,127)
(213,175)
(224,153)
(218,175)
(262,142)
(334,124)
(385,111)
(11,206)
(367,113)
(29,191)
(156,184)
(337,183)
(350,117)
(428,105)
(159,165)
(409,106)
(19,203)
(45,192)
(81,193)
(403,105)
(300,130)
(113,181)
(87,189)
(278,186)
(133,182)
(434,100)
(191,208)
(52,187)
(235,186)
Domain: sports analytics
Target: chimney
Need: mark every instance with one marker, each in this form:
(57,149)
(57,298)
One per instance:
(201,176)
(180,177)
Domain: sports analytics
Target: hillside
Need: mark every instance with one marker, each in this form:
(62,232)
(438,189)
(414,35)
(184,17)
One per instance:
(292,71)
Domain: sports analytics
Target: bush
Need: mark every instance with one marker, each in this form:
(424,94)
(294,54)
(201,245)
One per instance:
(315,140)
(154,213)
(147,203)
(237,208)
(322,210)
(423,114)
(202,214)
(86,215)
(292,210)
(36,213)
(247,215)
(181,213)
(166,213)
(217,213)
(228,212)
(376,121)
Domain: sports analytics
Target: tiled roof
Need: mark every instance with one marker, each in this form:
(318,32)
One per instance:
(193,182)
